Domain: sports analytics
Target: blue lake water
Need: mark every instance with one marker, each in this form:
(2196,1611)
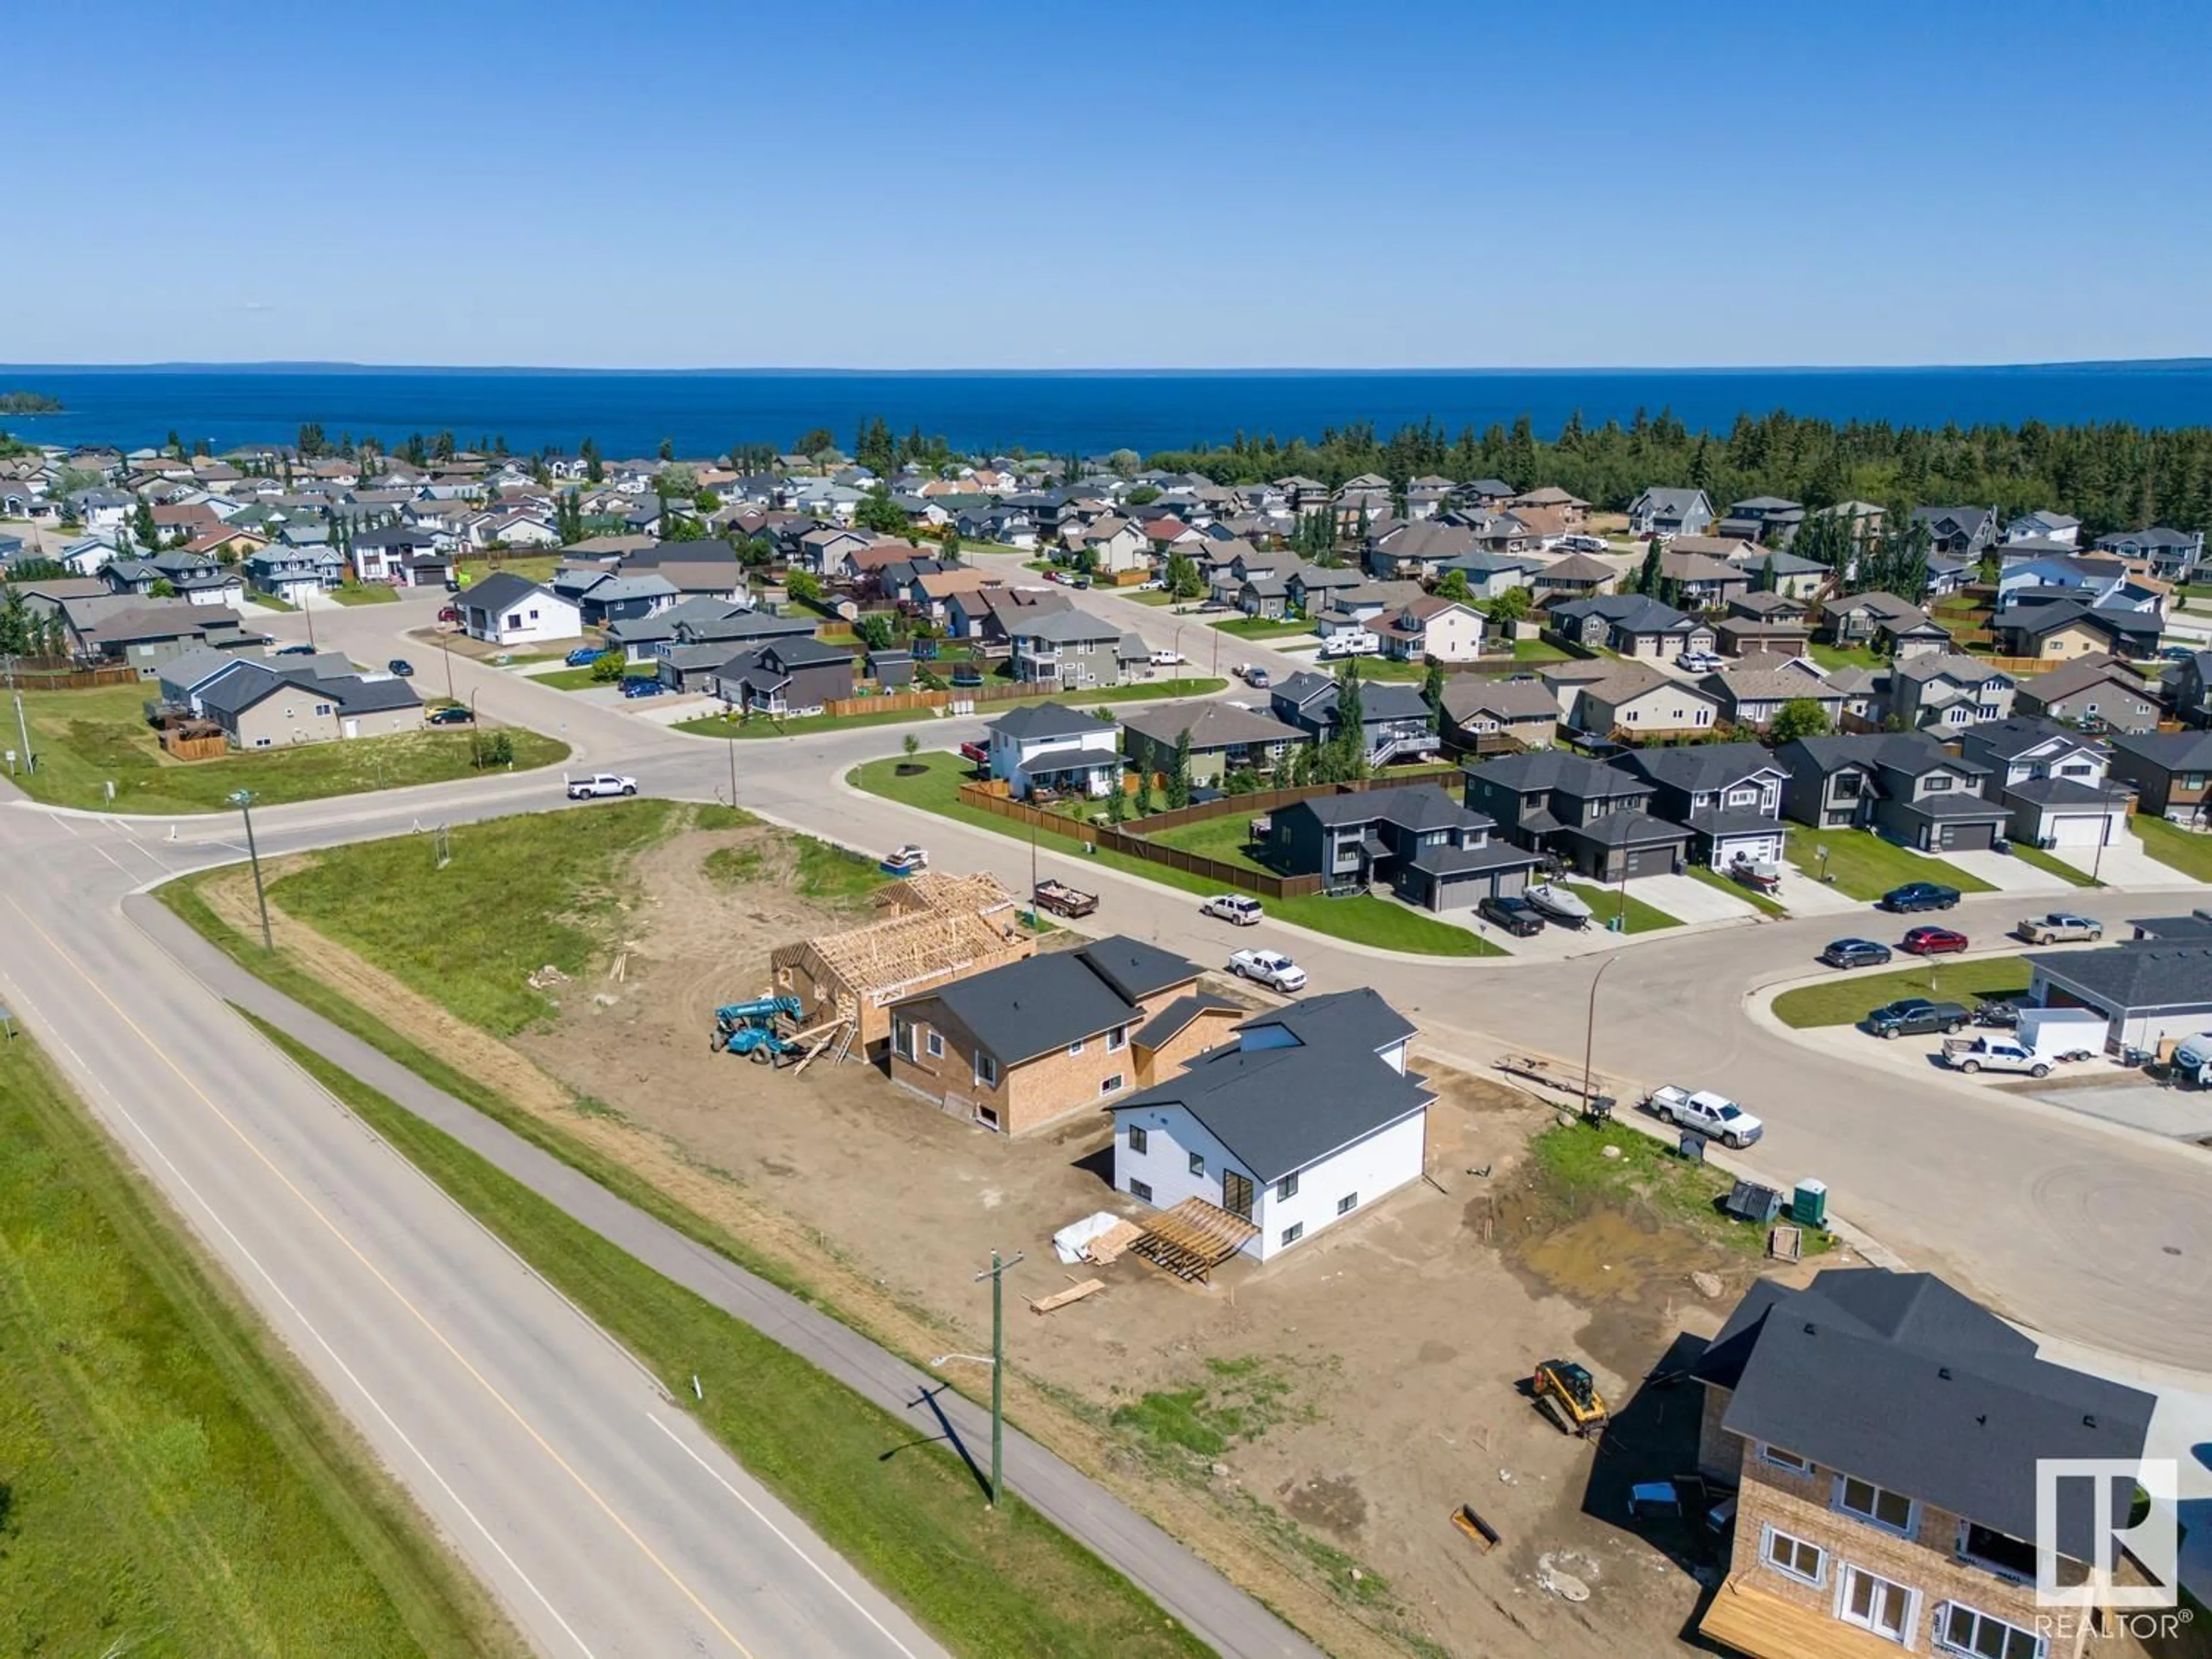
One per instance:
(629,413)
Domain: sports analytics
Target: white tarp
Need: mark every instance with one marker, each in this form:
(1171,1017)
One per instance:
(1067,1243)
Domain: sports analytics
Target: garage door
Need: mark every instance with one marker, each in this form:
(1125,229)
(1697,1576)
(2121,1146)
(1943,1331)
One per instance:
(2077,831)
(1968,837)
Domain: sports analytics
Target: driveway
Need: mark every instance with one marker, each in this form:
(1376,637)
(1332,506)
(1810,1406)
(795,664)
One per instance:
(1807,895)
(1687,899)
(2008,874)
(2124,864)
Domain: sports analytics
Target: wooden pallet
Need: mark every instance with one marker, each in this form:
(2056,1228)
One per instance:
(1193,1238)
(1045,1304)
(1108,1247)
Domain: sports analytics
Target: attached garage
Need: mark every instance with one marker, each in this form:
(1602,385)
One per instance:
(2149,992)
(2077,830)
(1967,836)
(1441,878)
(2062,812)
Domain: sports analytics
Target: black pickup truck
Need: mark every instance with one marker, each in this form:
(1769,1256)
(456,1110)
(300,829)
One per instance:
(1915,1016)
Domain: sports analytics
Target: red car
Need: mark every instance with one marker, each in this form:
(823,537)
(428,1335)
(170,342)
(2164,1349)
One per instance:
(1934,941)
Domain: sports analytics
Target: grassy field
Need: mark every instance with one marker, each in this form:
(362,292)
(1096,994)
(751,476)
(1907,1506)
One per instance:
(1573,1170)
(531,567)
(908,1515)
(583,679)
(520,893)
(1537,651)
(1260,628)
(1865,867)
(729,725)
(2186,850)
(824,871)
(1847,1001)
(1363,918)
(2057,866)
(1759,901)
(1223,838)
(365,593)
(1844,656)
(1604,902)
(86,738)
(173,1484)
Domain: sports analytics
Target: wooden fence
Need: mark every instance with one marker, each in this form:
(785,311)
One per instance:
(183,748)
(72,679)
(901,702)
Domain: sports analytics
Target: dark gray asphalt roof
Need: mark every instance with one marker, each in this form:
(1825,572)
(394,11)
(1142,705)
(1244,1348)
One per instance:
(1029,1008)
(1627,830)
(1738,823)
(1211,725)
(1415,806)
(1177,1015)
(1447,861)
(356,695)
(1900,1380)
(497,593)
(2065,791)
(2144,974)
(1279,1109)
(2174,751)
(1698,767)
(1959,808)
(1047,720)
(2175,928)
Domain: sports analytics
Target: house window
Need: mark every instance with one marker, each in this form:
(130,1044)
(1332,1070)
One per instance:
(987,1070)
(1286,1188)
(1939,783)
(1140,1190)
(1294,1232)
(1076,1047)
(1890,1510)
(1110,1085)
(1874,1604)
(1117,1039)
(1999,1551)
(261,743)
(1347,1204)
(1966,1630)
(1140,1138)
(902,1039)
(935,1044)
(1794,1557)
(1198,1164)
(322,708)
(1786,1460)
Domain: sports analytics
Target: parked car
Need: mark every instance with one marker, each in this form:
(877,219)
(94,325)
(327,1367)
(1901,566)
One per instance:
(1914,1015)
(1513,913)
(293,651)
(975,753)
(1855,953)
(401,666)
(584,656)
(1698,662)
(1920,895)
(1707,1113)
(1241,909)
(642,685)
(1166,659)
(1933,941)
(599,786)
(2057,926)
(451,613)
(1151,585)
(1269,967)
(1988,1053)
(1256,677)
(451,714)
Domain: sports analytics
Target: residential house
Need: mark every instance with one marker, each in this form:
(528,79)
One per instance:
(1885,622)
(1224,739)
(708,569)
(2151,990)
(2096,693)
(1751,695)
(1050,746)
(1487,492)
(1904,785)
(1740,637)
(1950,692)
(147,634)
(2088,577)
(1594,816)
(1263,595)
(1115,544)
(1631,625)
(1638,703)
(1420,550)
(1066,650)
(2187,687)
(1728,795)
(1482,714)
(262,705)
(1865,519)
(1309,588)
(1959,532)
(992,614)
(186,576)
(787,677)
(291,573)
(1660,511)
(377,554)
(1761,605)
(701,622)
(1392,718)
(1309,1119)
(2169,771)
(1767,520)
(2044,525)
(1698,581)
(509,610)
(2053,782)
(1572,510)
(1577,576)
(1029,1043)
(1887,1440)
(1774,571)
(602,597)
(2060,628)
(2172,555)
(1432,629)
(1434,852)
(1489,576)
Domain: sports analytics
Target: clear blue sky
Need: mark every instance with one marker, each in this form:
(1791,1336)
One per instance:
(1424,185)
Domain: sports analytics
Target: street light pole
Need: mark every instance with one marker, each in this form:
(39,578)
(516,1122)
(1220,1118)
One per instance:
(22,726)
(733,771)
(1589,1032)
(996,1272)
(243,799)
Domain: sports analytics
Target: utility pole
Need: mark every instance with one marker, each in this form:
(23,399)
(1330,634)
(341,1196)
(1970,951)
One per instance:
(243,800)
(1589,1034)
(733,771)
(996,1272)
(22,726)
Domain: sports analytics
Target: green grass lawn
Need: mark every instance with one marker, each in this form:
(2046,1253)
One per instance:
(1152,596)
(1222,838)
(175,1483)
(1539,651)
(824,871)
(729,725)
(86,738)
(1573,1172)
(365,593)
(270,602)
(2186,850)
(1759,901)
(520,893)
(1865,867)
(583,679)
(531,567)
(1261,627)
(1363,918)
(906,1513)
(1605,903)
(2057,866)
(1841,656)
(1847,1001)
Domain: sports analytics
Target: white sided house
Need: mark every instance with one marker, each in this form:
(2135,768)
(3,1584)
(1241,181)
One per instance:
(507,611)
(1053,746)
(1309,1118)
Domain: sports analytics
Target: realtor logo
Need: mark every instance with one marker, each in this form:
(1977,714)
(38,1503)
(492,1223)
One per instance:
(2075,1502)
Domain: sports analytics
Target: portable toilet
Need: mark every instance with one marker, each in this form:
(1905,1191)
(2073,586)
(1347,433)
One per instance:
(1808,1206)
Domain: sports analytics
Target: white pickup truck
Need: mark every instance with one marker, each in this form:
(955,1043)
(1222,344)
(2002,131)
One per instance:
(600,785)
(1994,1054)
(1707,1113)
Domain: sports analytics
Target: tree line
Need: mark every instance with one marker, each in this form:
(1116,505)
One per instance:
(2112,476)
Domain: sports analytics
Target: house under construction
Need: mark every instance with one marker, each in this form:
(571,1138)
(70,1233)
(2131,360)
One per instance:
(936,928)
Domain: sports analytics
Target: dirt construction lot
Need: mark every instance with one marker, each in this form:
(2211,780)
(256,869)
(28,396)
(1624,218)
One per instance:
(1308,1426)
